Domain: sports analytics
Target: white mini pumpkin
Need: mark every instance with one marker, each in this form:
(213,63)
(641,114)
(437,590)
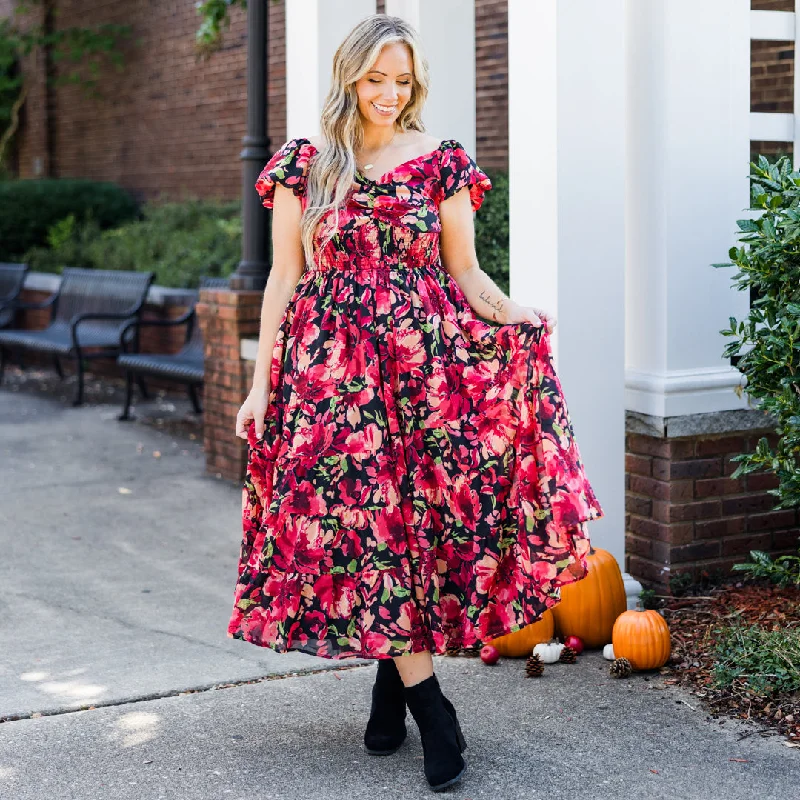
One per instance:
(549,652)
(608,651)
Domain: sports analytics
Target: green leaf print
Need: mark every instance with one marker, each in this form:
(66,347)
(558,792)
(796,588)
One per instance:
(401,591)
(245,603)
(385,594)
(529,524)
(352,566)
(337,569)
(506,543)
(558,429)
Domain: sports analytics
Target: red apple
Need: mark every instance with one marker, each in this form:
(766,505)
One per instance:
(575,643)
(489,654)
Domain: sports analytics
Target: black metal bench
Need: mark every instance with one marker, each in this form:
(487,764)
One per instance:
(88,312)
(185,366)
(12,279)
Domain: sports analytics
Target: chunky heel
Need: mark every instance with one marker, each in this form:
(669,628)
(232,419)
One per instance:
(462,743)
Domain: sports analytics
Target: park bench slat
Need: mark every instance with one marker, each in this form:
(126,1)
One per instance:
(185,366)
(90,310)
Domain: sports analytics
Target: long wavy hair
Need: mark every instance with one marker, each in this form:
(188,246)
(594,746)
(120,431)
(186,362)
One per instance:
(332,170)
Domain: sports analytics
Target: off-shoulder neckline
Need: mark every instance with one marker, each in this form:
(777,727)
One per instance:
(394,169)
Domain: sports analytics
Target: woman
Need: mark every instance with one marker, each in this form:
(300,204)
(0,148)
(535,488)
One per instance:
(413,483)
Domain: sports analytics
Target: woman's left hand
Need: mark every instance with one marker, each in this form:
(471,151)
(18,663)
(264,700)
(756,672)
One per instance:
(530,314)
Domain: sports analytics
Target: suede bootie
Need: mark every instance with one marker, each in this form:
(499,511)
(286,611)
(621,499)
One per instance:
(386,728)
(442,739)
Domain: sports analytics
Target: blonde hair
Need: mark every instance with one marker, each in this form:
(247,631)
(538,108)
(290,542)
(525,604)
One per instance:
(332,170)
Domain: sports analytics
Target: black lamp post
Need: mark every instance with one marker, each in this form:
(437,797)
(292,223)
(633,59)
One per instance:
(253,269)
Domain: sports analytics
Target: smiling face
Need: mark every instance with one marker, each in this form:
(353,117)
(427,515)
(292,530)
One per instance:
(386,88)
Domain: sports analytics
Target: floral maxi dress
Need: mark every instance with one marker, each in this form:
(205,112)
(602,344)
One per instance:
(418,485)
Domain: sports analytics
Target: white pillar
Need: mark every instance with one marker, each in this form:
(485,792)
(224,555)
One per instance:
(687,163)
(447,29)
(314,29)
(567,132)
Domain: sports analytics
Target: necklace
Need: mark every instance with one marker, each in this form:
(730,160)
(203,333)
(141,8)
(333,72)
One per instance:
(370,166)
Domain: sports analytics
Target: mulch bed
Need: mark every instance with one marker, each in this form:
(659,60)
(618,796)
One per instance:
(692,620)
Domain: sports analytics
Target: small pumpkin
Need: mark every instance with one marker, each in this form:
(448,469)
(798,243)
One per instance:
(608,652)
(589,607)
(641,636)
(549,652)
(519,643)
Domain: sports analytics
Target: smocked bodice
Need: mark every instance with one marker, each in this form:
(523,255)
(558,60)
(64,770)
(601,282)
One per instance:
(390,222)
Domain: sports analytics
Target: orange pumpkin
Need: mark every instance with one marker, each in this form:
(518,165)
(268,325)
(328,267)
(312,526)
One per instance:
(641,636)
(589,607)
(521,642)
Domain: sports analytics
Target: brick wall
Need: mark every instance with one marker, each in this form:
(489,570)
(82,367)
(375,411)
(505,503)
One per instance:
(771,78)
(491,78)
(226,317)
(168,122)
(170,125)
(685,514)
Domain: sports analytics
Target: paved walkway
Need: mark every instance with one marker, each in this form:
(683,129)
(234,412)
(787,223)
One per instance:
(117,567)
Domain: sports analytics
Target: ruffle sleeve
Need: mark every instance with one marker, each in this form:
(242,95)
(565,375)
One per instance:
(457,169)
(289,167)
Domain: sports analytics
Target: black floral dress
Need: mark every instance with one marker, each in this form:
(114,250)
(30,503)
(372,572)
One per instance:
(418,486)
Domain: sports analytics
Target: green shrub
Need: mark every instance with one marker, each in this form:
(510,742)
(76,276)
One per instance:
(767,343)
(767,661)
(782,571)
(178,241)
(31,207)
(491,231)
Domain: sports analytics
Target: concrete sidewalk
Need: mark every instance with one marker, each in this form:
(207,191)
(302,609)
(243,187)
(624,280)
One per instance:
(117,571)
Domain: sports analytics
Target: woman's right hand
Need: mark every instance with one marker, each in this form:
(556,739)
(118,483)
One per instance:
(253,408)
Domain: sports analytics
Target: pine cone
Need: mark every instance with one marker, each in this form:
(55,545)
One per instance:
(620,668)
(534,666)
(568,655)
(472,651)
(453,650)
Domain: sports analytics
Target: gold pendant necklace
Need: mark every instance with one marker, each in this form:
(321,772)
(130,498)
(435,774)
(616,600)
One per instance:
(370,166)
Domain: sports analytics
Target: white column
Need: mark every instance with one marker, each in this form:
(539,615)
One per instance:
(687,163)
(567,132)
(447,29)
(314,29)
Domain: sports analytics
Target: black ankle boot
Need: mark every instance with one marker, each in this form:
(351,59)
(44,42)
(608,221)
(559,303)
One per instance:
(386,728)
(442,740)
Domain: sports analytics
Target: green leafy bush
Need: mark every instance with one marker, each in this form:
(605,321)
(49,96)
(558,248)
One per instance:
(767,661)
(767,341)
(32,207)
(491,231)
(782,571)
(178,241)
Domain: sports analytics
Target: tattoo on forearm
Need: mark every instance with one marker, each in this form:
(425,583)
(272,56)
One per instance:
(497,305)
